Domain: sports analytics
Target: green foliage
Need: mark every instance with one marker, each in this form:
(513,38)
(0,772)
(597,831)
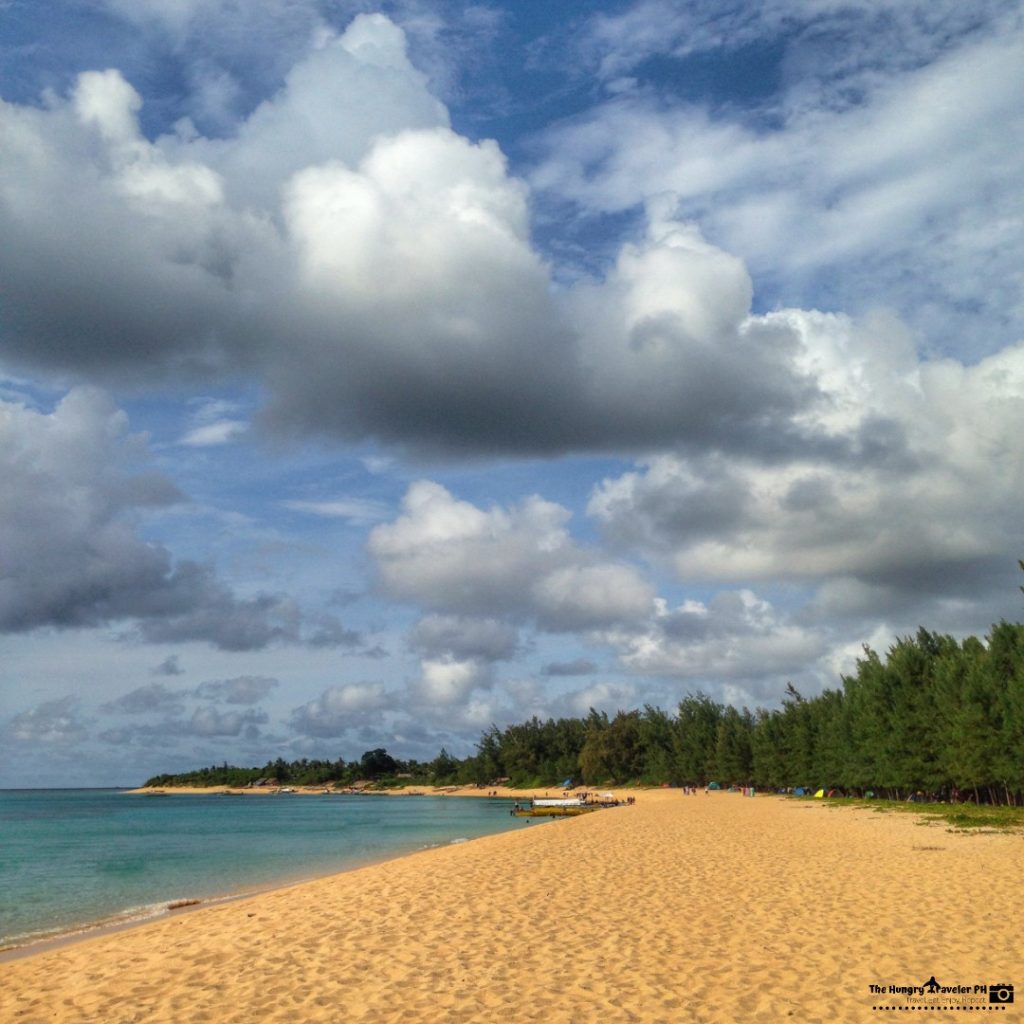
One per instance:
(304,772)
(733,755)
(696,738)
(444,769)
(376,763)
(935,717)
(216,775)
(959,817)
(613,753)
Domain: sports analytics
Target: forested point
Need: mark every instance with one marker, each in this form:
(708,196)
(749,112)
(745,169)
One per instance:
(935,718)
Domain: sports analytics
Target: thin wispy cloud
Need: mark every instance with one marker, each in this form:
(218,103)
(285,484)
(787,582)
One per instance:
(216,433)
(358,511)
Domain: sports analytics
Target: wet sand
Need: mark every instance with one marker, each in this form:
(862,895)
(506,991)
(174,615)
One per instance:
(702,908)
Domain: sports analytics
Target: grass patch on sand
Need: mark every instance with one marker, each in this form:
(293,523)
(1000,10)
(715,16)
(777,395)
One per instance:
(958,817)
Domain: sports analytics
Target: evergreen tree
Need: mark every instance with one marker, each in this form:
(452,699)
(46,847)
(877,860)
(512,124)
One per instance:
(443,769)
(613,754)
(656,747)
(1006,675)
(489,763)
(733,757)
(832,741)
(766,749)
(696,738)
(797,736)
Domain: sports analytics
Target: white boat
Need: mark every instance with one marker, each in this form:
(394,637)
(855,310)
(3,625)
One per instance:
(553,807)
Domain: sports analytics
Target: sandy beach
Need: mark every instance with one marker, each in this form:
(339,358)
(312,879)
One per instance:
(702,908)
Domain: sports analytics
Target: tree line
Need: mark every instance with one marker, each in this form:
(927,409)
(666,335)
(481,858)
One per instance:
(935,716)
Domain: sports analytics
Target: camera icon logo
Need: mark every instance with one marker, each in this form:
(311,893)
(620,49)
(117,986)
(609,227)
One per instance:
(1000,994)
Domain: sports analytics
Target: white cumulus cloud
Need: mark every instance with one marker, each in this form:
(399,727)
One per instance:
(450,556)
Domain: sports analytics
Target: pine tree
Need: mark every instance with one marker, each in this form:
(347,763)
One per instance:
(695,739)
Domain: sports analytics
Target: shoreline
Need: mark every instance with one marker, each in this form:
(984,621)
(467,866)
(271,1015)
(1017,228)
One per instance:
(707,908)
(165,910)
(494,792)
(19,947)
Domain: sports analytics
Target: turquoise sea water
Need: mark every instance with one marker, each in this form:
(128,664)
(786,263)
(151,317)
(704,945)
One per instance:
(72,858)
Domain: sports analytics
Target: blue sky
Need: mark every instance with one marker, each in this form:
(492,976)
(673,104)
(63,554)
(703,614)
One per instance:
(370,374)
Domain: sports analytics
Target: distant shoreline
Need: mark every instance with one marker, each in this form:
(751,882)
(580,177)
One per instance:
(500,792)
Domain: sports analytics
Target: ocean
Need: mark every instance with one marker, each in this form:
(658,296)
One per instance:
(71,859)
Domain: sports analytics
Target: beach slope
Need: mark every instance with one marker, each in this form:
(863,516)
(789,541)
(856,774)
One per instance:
(705,908)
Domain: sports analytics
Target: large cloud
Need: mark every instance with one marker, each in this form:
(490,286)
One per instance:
(135,254)
(374,269)
(370,265)
(54,723)
(208,721)
(71,554)
(450,556)
(931,511)
(448,683)
(465,637)
(736,639)
(338,99)
(341,708)
(229,58)
(74,496)
(204,723)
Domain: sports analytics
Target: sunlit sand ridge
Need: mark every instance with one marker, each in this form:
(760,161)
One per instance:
(701,908)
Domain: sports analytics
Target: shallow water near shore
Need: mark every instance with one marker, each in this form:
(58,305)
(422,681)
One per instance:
(74,858)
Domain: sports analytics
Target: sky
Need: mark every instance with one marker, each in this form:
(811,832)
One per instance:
(373,374)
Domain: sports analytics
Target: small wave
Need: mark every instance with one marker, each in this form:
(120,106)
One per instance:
(128,916)
(131,915)
(450,842)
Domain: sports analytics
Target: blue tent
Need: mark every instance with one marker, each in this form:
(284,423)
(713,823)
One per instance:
(714,785)
(799,791)
(567,784)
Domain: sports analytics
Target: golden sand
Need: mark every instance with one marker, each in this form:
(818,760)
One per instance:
(703,908)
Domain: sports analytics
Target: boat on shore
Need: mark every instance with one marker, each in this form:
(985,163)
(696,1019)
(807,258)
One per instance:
(561,807)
